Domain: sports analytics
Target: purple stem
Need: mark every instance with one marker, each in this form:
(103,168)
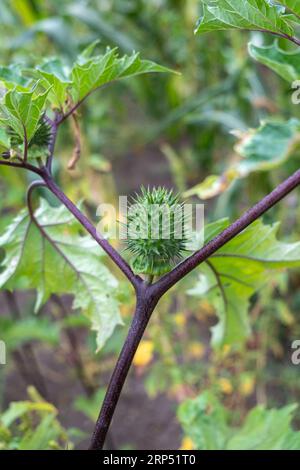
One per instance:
(24,166)
(144,308)
(150,295)
(181,270)
(91,229)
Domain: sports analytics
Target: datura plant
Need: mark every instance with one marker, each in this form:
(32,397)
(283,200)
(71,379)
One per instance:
(56,249)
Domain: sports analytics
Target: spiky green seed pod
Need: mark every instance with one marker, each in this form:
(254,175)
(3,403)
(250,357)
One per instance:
(155,231)
(41,137)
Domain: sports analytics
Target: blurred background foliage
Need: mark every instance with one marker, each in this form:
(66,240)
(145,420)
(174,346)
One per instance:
(173,130)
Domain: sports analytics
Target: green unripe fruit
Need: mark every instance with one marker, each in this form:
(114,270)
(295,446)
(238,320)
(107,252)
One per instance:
(41,137)
(155,231)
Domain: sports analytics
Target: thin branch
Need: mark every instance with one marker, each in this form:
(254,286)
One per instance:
(184,268)
(293,39)
(136,281)
(75,106)
(71,111)
(77,147)
(11,164)
(24,166)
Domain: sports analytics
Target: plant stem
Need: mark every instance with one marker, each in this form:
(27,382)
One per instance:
(184,268)
(22,165)
(155,291)
(143,311)
(149,294)
(107,247)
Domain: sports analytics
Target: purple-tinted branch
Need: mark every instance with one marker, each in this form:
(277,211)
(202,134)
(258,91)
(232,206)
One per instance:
(75,106)
(184,268)
(71,111)
(91,229)
(144,308)
(293,39)
(23,166)
(284,36)
(149,295)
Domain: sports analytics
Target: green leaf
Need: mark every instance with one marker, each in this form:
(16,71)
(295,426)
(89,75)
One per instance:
(248,15)
(41,438)
(238,270)
(198,418)
(57,259)
(292,5)
(261,149)
(87,75)
(89,50)
(22,111)
(262,429)
(268,146)
(266,430)
(89,406)
(4,141)
(18,409)
(286,64)
(11,77)
(54,76)
(37,429)
(15,334)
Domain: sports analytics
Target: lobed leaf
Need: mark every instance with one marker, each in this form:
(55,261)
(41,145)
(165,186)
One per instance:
(261,15)
(55,77)
(292,5)
(87,75)
(263,429)
(11,77)
(238,270)
(261,149)
(55,258)
(22,111)
(286,64)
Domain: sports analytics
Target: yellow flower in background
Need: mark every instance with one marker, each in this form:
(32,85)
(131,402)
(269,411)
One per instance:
(126,310)
(187,444)
(247,386)
(226,349)
(225,386)
(144,353)
(207,307)
(180,319)
(196,350)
